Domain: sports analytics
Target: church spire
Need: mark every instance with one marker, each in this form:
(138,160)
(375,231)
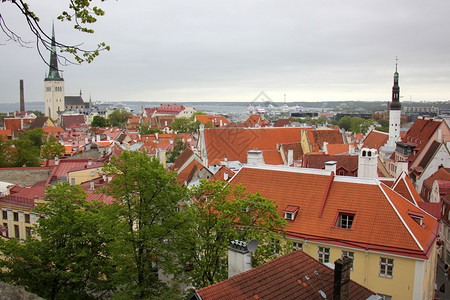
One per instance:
(53,73)
(395,104)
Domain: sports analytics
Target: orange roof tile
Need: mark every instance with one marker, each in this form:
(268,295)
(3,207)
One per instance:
(293,276)
(337,148)
(405,187)
(375,139)
(216,120)
(233,143)
(318,137)
(381,219)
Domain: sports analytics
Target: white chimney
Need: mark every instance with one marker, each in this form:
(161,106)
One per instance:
(351,149)
(290,158)
(368,163)
(240,256)
(255,157)
(325,148)
(331,166)
(439,135)
(56,160)
(225,176)
(402,166)
(92,186)
(221,122)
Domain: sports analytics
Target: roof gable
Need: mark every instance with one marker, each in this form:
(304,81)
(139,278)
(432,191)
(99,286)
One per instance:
(378,225)
(293,276)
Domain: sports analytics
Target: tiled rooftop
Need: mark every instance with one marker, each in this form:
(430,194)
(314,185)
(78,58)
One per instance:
(293,276)
(381,220)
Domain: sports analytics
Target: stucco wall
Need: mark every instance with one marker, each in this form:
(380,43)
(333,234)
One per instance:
(24,176)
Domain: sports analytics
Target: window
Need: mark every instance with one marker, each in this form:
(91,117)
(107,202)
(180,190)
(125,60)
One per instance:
(297,246)
(16,216)
(385,297)
(349,254)
(386,267)
(5,233)
(28,231)
(16,231)
(275,246)
(288,216)
(27,218)
(324,254)
(5,215)
(72,181)
(345,220)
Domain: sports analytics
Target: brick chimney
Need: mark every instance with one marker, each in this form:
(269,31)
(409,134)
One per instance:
(22,97)
(341,278)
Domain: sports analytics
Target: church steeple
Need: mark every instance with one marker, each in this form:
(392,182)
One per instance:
(395,104)
(53,73)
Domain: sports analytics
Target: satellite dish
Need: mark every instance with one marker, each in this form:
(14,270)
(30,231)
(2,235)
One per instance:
(252,245)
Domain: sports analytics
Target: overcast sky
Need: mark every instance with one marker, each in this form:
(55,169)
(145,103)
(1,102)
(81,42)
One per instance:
(208,50)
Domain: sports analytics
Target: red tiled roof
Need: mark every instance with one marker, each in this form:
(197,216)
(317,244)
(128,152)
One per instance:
(318,137)
(381,220)
(53,129)
(282,123)
(181,160)
(405,187)
(220,174)
(68,121)
(293,276)
(6,133)
(256,120)
(375,139)
(184,175)
(337,148)
(348,162)
(419,134)
(213,119)
(234,143)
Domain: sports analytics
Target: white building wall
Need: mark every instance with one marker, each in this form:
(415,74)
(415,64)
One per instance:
(394,127)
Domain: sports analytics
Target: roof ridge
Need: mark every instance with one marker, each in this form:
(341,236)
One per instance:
(399,215)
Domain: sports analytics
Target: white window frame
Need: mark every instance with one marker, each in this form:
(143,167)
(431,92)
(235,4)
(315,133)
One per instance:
(385,264)
(345,220)
(289,215)
(323,254)
(297,246)
(349,254)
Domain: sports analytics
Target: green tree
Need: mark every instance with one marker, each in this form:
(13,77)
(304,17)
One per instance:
(181,125)
(69,260)
(178,148)
(148,223)
(26,153)
(220,214)
(36,136)
(99,121)
(8,154)
(119,118)
(81,12)
(52,148)
(146,129)
(345,123)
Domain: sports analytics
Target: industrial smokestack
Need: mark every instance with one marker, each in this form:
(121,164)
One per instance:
(22,97)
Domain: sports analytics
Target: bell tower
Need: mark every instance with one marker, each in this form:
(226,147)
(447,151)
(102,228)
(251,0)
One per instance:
(53,85)
(394,112)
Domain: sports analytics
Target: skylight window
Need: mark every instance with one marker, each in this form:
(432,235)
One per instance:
(345,220)
(290,212)
(417,217)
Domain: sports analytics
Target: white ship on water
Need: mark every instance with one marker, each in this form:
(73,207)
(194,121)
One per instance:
(270,107)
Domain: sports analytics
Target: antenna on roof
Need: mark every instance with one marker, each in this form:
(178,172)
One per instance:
(252,245)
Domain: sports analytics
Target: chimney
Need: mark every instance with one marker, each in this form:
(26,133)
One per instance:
(402,166)
(22,97)
(341,278)
(290,158)
(225,176)
(439,135)
(331,166)
(255,157)
(240,256)
(325,147)
(56,160)
(351,149)
(92,186)
(368,163)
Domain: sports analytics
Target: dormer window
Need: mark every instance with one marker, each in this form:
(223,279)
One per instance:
(290,212)
(417,216)
(345,220)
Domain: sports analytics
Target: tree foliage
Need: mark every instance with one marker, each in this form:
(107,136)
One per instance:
(8,153)
(99,121)
(148,223)
(146,129)
(81,13)
(52,148)
(178,148)
(119,118)
(355,124)
(183,125)
(70,259)
(220,214)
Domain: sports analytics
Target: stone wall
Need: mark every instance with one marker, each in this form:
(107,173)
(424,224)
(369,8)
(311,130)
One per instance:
(11,292)
(25,176)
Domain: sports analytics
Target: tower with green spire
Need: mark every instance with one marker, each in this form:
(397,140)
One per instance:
(53,85)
